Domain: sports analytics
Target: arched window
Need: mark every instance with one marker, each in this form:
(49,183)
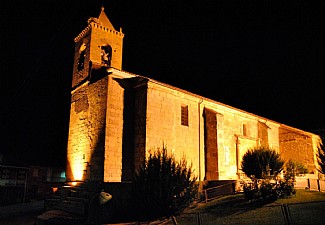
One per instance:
(81,61)
(106,55)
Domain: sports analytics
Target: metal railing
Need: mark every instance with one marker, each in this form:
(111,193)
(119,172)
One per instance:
(216,192)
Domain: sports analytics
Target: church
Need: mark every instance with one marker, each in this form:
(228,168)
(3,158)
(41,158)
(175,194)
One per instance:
(117,118)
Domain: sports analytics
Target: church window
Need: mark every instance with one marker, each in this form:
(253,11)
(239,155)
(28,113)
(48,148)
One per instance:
(82,55)
(81,61)
(106,55)
(184,115)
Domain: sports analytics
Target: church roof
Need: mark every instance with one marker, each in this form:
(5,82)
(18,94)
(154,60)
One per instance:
(103,19)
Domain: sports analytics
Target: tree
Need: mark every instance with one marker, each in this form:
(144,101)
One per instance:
(321,157)
(293,168)
(164,187)
(261,165)
(261,162)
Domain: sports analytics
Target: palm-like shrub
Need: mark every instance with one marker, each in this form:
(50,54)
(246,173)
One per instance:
(293,169)
(262,165)
(261,162)
(163,186)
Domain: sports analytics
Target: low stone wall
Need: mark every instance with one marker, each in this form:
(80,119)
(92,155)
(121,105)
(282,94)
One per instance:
(312,184)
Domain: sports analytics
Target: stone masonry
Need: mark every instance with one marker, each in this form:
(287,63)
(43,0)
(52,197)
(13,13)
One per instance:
(117,118)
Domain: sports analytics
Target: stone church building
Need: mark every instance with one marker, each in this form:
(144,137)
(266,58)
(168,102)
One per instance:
(117,118)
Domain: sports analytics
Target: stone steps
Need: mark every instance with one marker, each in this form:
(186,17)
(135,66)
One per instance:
(71,199)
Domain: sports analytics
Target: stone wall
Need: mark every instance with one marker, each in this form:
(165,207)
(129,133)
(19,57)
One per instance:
(135,116)
(101,37)
(114,131)
(211,145)
(297,146)
(164,128)
(140,115)
(85,152)
(235,131)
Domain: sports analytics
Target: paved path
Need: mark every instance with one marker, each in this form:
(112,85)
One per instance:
(16,209)
(21,214)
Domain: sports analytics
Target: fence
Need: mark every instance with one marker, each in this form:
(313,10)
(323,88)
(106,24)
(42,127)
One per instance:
(228,188)
(311,213)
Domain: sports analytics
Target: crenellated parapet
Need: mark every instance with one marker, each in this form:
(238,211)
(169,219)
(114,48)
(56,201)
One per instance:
(97,25)
(83,33)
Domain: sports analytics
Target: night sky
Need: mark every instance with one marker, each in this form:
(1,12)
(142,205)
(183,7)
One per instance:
(264,57)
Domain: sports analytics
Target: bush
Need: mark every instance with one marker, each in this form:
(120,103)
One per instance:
(262,165)
(251,191)
(285,189)
(293,169)
(268,190)
(163,186)
(261,162)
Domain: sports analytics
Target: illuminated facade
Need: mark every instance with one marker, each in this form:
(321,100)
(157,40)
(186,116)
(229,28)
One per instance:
(117,117)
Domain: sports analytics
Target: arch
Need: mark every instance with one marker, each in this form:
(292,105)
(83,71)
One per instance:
(106,55)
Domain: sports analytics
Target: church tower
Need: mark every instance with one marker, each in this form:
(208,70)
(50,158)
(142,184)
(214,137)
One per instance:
(97,48)
(100,44)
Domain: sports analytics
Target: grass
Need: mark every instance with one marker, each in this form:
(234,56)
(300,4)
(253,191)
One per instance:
(238,201)
(305,207)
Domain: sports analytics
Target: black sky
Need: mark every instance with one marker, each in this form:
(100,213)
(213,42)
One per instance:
(263,56)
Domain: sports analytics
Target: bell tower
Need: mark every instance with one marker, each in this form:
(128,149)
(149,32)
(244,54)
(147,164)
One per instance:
(98,44)
(97,48)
